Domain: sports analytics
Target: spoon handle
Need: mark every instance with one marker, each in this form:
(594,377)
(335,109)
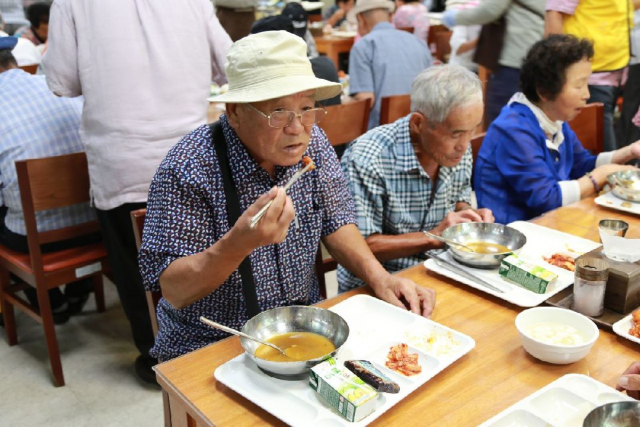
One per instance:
(447,241)
(236,332)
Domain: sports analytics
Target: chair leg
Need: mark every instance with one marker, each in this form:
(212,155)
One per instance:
(50,335)
(7,310)
(98,290)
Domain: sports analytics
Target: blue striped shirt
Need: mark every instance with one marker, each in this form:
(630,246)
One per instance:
(393,193)
(34,123)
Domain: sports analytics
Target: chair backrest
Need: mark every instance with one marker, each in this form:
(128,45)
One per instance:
(431,36)
(407,29)
(443,48)
(394,107)
(346,122)
(589,127)
(137,221)
(49,183)
(484,74)
(31,69)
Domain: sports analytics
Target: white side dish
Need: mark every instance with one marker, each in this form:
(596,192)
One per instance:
(375,326)
(564,403)
(541,241)
(609,200)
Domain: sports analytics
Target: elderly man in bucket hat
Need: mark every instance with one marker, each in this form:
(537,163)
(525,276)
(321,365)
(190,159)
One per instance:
(199,246)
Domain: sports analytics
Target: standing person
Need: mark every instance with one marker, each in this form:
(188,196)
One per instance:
(384,61)
(525,26)
(608,25)
(37,32)
(236,16)
(145,86)
(628,132)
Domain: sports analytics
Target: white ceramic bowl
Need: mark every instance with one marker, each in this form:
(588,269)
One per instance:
(556,353)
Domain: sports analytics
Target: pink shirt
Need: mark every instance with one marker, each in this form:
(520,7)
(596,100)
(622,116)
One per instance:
(413,15)
(609,78)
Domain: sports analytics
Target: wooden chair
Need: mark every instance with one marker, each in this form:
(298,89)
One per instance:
(589,127)
(31,69)
(394,107)
(431,36)
(443,48)
(484,74)
(407,29)
(50,183)
(346,122)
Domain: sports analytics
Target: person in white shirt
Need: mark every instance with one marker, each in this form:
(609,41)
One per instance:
(25,52)
(463,45)
(145,69)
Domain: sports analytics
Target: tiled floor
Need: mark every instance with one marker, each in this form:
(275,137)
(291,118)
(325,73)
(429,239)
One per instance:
(97,356)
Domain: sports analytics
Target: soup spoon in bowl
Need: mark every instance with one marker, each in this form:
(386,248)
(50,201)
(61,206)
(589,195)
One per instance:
(449,242)
(213,324)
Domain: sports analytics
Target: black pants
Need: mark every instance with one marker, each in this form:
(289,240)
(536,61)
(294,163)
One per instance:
(627,132)
(123,258)
(18,243)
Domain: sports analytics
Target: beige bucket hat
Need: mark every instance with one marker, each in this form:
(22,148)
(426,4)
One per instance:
(271,65)
(364,5)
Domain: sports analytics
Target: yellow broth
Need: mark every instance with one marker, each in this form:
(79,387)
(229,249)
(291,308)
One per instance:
(487,248)
(298,347)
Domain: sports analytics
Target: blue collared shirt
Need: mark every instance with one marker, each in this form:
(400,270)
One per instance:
(393,193)
(385,62)
(517,175)
(186,214)
(34,123)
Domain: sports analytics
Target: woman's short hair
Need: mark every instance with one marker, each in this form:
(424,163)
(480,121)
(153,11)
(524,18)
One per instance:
(544,69)
(440,89)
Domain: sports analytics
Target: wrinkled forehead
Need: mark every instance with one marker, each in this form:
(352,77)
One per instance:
(307,95)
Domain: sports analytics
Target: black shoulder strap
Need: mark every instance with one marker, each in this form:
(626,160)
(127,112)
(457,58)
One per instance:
(529,8)
(233,210)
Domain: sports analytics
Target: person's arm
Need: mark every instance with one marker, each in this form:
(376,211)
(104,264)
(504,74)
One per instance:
(61,58)
(335,17)
(486,12)
(459,41)
(553,21)
(219,43)
(625,154)
(629,381)
(361,71)
(191,278)
(350,250)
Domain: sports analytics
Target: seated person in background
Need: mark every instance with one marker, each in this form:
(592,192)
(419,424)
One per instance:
(236,16)
(415,174)
(384,61)
(463,45)
(629,381)
(322,66)
(37,32)
(25,52)
(35,123)
(336,15)
(299,17)
(530,161)
(412,13)
(192,252)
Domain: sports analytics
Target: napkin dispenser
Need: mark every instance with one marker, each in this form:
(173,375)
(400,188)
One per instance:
(623,286)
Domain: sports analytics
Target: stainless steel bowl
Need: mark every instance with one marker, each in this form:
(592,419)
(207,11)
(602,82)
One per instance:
(617,414)
(483,232)
(625,184)
(294,318)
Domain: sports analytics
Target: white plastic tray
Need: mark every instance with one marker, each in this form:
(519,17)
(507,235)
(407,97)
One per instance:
(609,200)
(622,326)
(564,402)
(541,241)
(374,327)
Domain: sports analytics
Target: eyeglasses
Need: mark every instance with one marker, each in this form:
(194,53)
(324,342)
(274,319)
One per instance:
(282,119)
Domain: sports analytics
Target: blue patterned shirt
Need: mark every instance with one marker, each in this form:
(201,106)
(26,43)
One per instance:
(393,193)
(186,213)
(34,123)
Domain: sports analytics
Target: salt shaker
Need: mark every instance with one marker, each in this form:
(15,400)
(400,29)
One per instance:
(589,286)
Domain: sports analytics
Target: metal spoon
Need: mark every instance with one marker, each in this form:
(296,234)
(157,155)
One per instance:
(240,334)
(449,242)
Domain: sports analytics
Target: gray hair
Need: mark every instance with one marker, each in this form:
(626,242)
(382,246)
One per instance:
(440,89)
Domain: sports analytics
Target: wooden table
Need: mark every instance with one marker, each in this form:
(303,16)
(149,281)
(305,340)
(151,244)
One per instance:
(333,46)
(494,375)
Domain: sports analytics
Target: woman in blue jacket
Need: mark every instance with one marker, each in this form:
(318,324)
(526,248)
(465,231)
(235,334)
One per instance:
(531,161)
